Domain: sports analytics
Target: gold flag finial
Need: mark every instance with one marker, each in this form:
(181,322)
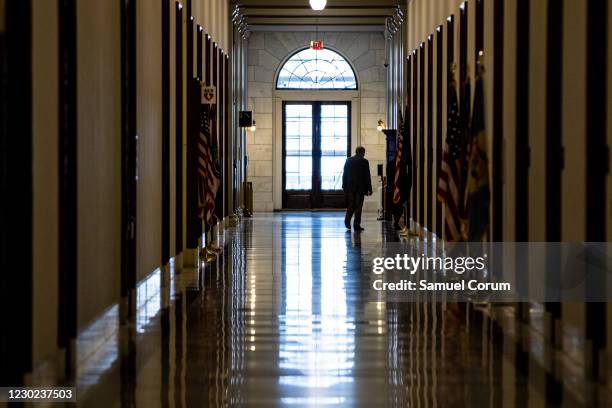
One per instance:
(480,70)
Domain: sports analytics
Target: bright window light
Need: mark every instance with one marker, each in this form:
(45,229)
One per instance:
(318,4)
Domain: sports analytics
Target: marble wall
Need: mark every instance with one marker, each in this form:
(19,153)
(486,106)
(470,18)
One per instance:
(365,51)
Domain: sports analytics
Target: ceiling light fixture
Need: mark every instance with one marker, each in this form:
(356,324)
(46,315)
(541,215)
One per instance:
(318,4)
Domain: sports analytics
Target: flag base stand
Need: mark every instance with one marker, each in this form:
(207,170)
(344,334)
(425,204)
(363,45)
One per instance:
(233,220)
(207,255)
(406,233)
(210,250)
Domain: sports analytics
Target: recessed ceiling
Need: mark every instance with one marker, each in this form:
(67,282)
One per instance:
(297,13)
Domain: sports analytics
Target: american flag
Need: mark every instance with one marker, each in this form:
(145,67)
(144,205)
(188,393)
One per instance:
(450,191)
(399,151)
(208,179)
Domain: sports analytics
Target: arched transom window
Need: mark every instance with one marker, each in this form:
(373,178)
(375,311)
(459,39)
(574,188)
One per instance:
(310,69)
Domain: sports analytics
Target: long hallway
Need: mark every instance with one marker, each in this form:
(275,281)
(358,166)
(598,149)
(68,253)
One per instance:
(284,319)
(172,173)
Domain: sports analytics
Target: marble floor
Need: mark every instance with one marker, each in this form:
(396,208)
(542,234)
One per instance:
(284,319)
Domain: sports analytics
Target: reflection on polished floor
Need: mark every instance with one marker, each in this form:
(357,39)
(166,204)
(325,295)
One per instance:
(283,319)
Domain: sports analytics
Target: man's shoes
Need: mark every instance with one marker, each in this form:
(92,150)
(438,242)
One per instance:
(358,228)
(348,226)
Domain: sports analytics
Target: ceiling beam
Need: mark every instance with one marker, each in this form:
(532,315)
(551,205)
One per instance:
(331,4)
(269,14)
(308,28)
(284,20)
(273,12)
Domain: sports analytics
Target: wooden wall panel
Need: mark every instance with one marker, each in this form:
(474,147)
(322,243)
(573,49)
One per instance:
(429,83)
(99,157)
(573,212)
(421,135)
(179,121)
(45,171)
(509,119)
(173,146)
(537,124)
(494,41)
(439,102)
(165,131)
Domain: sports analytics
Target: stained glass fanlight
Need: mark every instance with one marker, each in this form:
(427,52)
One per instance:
(310,69)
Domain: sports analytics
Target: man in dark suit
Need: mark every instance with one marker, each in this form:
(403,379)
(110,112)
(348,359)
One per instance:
(356,183)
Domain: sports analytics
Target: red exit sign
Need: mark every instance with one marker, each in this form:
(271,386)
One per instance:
(316,45)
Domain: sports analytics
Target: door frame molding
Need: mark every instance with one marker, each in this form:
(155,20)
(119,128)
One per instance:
(279,96)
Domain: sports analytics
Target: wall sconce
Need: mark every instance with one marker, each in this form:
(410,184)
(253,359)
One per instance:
(381,125)
(253,127)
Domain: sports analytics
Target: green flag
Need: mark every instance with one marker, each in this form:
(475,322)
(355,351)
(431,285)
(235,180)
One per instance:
(477,194)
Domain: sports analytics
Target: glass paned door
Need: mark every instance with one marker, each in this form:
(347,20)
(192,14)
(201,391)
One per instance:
(334,145)
(298,147)
(316,143)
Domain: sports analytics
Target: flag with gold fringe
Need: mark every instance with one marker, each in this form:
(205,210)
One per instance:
(399,150)
(208,173)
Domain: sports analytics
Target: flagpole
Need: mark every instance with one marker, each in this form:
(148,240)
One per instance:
(215,237)
(405,231)
(209,256)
